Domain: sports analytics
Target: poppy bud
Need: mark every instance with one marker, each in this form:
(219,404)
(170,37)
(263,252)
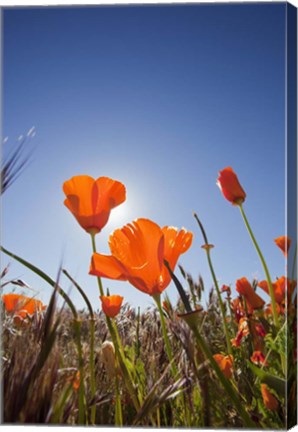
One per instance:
(231,188)
(108,358)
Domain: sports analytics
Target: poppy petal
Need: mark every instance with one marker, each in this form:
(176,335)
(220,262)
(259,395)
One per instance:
(107,266)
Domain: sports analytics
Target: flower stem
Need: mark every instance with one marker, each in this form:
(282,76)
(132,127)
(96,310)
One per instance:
(92,331)
(271,291)
(94,251)
(118,409)
(82,402)
(122,363)
(222,308)
(221,305)
(165,335)
(117,344)
(50,281)
(92,371)
(248,422)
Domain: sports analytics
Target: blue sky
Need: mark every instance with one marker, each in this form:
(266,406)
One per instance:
(160,98)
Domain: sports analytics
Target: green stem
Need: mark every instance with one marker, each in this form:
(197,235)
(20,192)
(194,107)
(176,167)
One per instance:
(50,281)
(271,291)
(117,344)
(82,403)
(165,335)
(221,305)
(250,336)
(92,369)
(122,362)
(118,408)
(224,381)
(92,332)
(98,278)
(45,277)
(222,308)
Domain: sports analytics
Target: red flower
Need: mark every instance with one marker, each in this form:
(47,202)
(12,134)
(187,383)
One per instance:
(231,188)
(243,330)
(284,243)
(259,330)
(111,305)
(138,253)
(258,358)
(244,288)
(227,289)
(91,201)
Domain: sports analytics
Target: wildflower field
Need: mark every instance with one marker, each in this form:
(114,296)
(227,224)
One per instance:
(229,362)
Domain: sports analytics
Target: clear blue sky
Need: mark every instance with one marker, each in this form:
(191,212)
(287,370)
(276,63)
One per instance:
(160,98)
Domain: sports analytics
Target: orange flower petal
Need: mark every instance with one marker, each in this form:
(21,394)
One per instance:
(225,363)
(110,193)
(269,400)
(231,188)
(91,201)
(176,243)
(244,288)
(21,305)
(107,266)
(139,246)
(283,289)
(111,305)
(138,252)
(284,243)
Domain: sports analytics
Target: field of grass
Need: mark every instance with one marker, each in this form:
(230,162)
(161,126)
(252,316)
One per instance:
(227,363)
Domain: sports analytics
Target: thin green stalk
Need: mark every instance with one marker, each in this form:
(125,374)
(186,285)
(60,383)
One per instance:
(117,344)
(158,417)
(60,404)
(270,351)
(248,422)
(122,362)
(82,401)
(221,305)
(271,291)
(50,281)
(45,277)
(98,278)
(92,332)
(165,336)
(222,308)
(92,369)
(250,336)
(118,408)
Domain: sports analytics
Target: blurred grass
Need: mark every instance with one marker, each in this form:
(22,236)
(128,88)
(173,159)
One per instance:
(40,364)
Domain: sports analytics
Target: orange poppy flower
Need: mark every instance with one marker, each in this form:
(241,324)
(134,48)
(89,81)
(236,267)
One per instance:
(270,401)
(138,253)
(91,201)
(21,306)
(244,288)
(280,287)
(230,187)
(284,243)
(225,363)
(111,305)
